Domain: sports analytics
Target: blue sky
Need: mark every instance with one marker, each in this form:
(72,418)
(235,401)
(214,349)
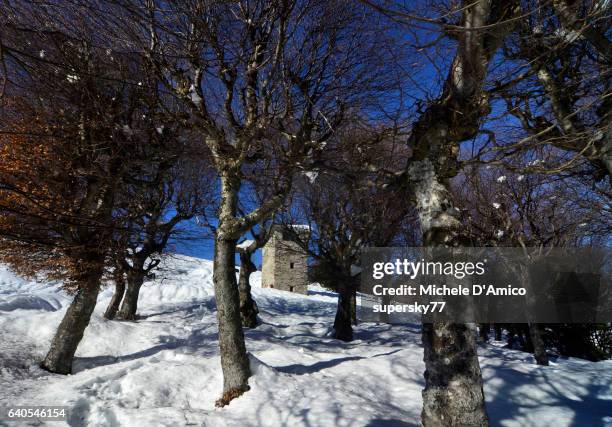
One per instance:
(201,245)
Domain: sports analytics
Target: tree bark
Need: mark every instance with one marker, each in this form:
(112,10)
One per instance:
(129,306)
(248,306)
(113,306)
(533,330)
(353,293)
(600,154)
(343,329)
(484,332)
(88,259)
(453,394)
(498,331)
(384,316)
(526,335)
(539,349)
(234,358)
(70,331)
(570,19)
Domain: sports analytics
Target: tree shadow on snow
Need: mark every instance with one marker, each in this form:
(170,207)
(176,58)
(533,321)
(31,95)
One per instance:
(521,395)
(204,344)
(208,305)
(297,306)
(380,422)
(299,369)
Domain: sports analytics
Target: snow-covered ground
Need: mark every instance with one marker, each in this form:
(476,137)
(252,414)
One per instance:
(164,369)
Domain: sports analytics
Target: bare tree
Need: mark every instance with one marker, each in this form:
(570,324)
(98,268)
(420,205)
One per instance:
(260,79)
(453,392)
(156,206)
(246,249)
(118,277)
(348,208)
(81,124)
(533,212)
(556,90)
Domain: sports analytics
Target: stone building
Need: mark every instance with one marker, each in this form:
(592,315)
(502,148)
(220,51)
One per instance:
(285,263)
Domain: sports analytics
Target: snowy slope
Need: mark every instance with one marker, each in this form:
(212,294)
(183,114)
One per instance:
(164,369)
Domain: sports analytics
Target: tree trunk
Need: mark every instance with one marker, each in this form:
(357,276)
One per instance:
(353,293)
(533,331)
(384,316)
(248,306)
(606,123)
(570,19)
(113,306)
(234,358)
(498,331)
(343,329)
(129,306)
(524,332)
(484,332)
(600,154)
(453,394)
(539,349)
(70,331)
(515,336)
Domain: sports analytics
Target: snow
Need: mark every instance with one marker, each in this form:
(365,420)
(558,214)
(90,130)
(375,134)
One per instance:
(570,36)
(246,244)
(164,370)
(25,302)
(194,95)
(312,176)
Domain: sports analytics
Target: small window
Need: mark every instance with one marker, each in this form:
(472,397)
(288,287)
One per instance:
(291,265)
(290,288)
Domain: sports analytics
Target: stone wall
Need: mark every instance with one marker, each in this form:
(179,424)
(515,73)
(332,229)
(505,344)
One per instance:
(285,265)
